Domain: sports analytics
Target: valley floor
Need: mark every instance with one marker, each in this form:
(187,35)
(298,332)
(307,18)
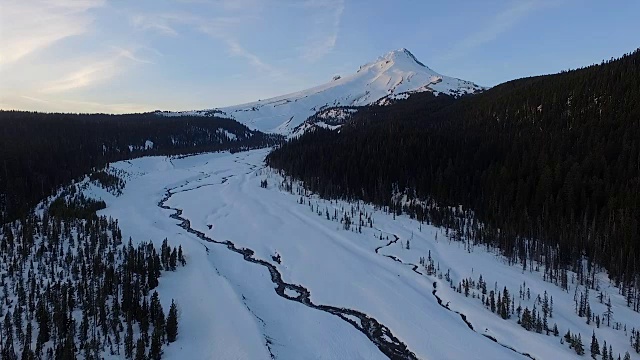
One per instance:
(229,308)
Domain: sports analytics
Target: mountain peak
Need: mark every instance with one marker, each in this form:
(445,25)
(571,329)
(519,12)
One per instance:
(402,53)
(401,59)
(393,76)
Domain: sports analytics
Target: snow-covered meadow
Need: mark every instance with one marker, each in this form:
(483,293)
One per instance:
(228,306)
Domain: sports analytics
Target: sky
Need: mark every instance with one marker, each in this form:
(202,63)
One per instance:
(118,56)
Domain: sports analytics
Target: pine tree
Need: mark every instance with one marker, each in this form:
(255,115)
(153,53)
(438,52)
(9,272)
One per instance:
(172,323)
(157,314)
(608,314)
(28,337)
(42,317)
(526,321)
(578,347)
(140,350)
(27,354)
(8,351)
(610,353)
(128,340)
(181,255)
(492,300)
(173,260)
(155,351)
(595,347)
(7,328)
(504,311)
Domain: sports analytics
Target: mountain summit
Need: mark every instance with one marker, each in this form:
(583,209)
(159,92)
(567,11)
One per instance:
(392,76)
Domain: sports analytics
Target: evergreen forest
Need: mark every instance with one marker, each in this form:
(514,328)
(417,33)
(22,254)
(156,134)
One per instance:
(546,169)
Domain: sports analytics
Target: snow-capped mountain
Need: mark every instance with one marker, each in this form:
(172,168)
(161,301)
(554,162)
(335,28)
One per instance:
(392,76)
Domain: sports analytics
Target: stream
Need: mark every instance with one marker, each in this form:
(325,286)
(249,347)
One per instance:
(376,332)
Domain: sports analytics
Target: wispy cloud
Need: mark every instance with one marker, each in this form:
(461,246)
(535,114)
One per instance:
(95,72)
(34,99)
(28,26)
(327,15)
(130,54)
(157,23)
(230,5)
(164,23)
(220,28)
(495,26)
(237,50)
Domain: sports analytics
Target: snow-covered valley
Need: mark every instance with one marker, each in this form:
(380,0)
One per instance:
(243,241)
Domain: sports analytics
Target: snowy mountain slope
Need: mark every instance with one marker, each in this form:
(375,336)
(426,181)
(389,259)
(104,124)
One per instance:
(392,76)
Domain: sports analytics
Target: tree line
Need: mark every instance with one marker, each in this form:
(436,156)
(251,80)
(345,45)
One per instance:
(40,152)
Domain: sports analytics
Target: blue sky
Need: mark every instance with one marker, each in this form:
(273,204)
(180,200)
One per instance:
(125,56)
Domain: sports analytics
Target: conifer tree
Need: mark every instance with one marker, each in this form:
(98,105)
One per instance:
(173,260)
(578,346)
(610,353)
(155,350)
(172,323)
(128,340)
(595,347)
(608,314)
(140,350)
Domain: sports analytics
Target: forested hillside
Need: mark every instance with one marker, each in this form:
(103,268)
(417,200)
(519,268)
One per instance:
(41,152)
(72,287)
(546,168)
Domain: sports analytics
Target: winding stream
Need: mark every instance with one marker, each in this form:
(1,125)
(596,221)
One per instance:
(439,300)
(377,333)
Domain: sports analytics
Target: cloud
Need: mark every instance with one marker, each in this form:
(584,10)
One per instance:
(157,23)
(229,5)
(62,104)
(164,23)
(95,72)
(237,50)
(31,98)
(497,25)
(328,15)
(117,108)
(29,26)
(220,28)
(223,29)
(129,54)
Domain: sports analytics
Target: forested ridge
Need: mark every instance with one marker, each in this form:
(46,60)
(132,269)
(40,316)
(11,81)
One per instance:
(40,152)
(547,169)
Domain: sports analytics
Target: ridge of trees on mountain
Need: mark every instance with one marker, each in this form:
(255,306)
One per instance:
(547,168)
(40,152)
